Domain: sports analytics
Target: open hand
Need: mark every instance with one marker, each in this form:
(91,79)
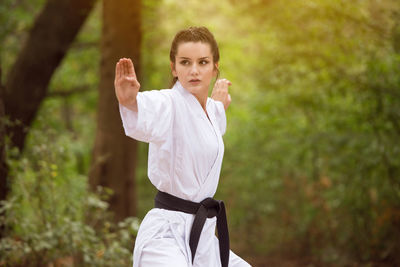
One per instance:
(220,92)
(126,84)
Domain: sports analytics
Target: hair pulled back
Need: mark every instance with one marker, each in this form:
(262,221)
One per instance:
(194,34)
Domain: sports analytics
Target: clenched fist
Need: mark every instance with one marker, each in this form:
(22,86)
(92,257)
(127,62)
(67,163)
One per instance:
(220,92)
(126,84)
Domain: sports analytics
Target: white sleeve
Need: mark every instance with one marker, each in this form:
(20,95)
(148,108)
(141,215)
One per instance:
(153,120)
(220,116)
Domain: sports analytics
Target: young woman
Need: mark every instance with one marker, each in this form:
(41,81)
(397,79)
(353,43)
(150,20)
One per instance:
(184,129)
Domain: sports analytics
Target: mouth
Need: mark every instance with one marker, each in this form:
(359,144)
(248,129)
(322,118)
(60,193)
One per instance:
(194,81)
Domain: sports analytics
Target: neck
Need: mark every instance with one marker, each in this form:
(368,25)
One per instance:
(202,100)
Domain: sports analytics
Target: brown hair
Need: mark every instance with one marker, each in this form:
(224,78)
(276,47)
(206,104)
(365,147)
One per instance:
(194,34)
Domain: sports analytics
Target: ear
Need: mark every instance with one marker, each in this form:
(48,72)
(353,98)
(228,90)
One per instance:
(216,69)
(173,69)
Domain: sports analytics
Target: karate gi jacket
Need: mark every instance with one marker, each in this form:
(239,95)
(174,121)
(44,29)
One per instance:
(185,158)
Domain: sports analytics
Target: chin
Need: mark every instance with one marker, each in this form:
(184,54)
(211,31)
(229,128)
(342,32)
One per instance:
(188,85)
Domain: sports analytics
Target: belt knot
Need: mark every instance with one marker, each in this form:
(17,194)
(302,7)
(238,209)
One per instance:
(211,204)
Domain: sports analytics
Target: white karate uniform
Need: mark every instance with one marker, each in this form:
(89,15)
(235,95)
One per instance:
(185,157)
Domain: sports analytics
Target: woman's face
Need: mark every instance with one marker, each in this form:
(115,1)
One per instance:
(194,67)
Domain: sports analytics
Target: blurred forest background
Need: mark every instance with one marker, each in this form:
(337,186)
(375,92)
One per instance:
(311,174)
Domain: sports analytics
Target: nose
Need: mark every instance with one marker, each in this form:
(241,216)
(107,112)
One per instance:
(194,69)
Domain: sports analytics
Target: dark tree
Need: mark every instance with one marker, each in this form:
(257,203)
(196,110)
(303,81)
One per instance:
(49,39)
(27,82)
(3,165)
(114,154)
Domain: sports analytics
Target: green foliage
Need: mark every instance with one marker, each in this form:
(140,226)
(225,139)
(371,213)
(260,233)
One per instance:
(16,17)
(312,157)
(317,163)
(51,217)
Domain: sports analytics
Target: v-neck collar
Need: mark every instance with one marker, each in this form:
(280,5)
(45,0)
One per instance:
(198,109)
(208,185)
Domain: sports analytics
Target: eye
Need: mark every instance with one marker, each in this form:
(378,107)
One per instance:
(204,62)
(184,62)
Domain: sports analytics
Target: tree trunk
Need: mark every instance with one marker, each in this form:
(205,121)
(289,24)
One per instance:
(3,166)
(54,30)
(114,154)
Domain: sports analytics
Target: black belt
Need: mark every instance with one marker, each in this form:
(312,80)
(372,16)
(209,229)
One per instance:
(207,208)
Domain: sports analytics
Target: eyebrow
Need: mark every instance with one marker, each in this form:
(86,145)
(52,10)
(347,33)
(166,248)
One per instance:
(190,58)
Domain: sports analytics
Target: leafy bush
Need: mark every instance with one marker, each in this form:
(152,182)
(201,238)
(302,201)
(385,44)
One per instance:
(51,218)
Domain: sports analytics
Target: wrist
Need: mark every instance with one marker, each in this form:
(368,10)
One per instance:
(131,105)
